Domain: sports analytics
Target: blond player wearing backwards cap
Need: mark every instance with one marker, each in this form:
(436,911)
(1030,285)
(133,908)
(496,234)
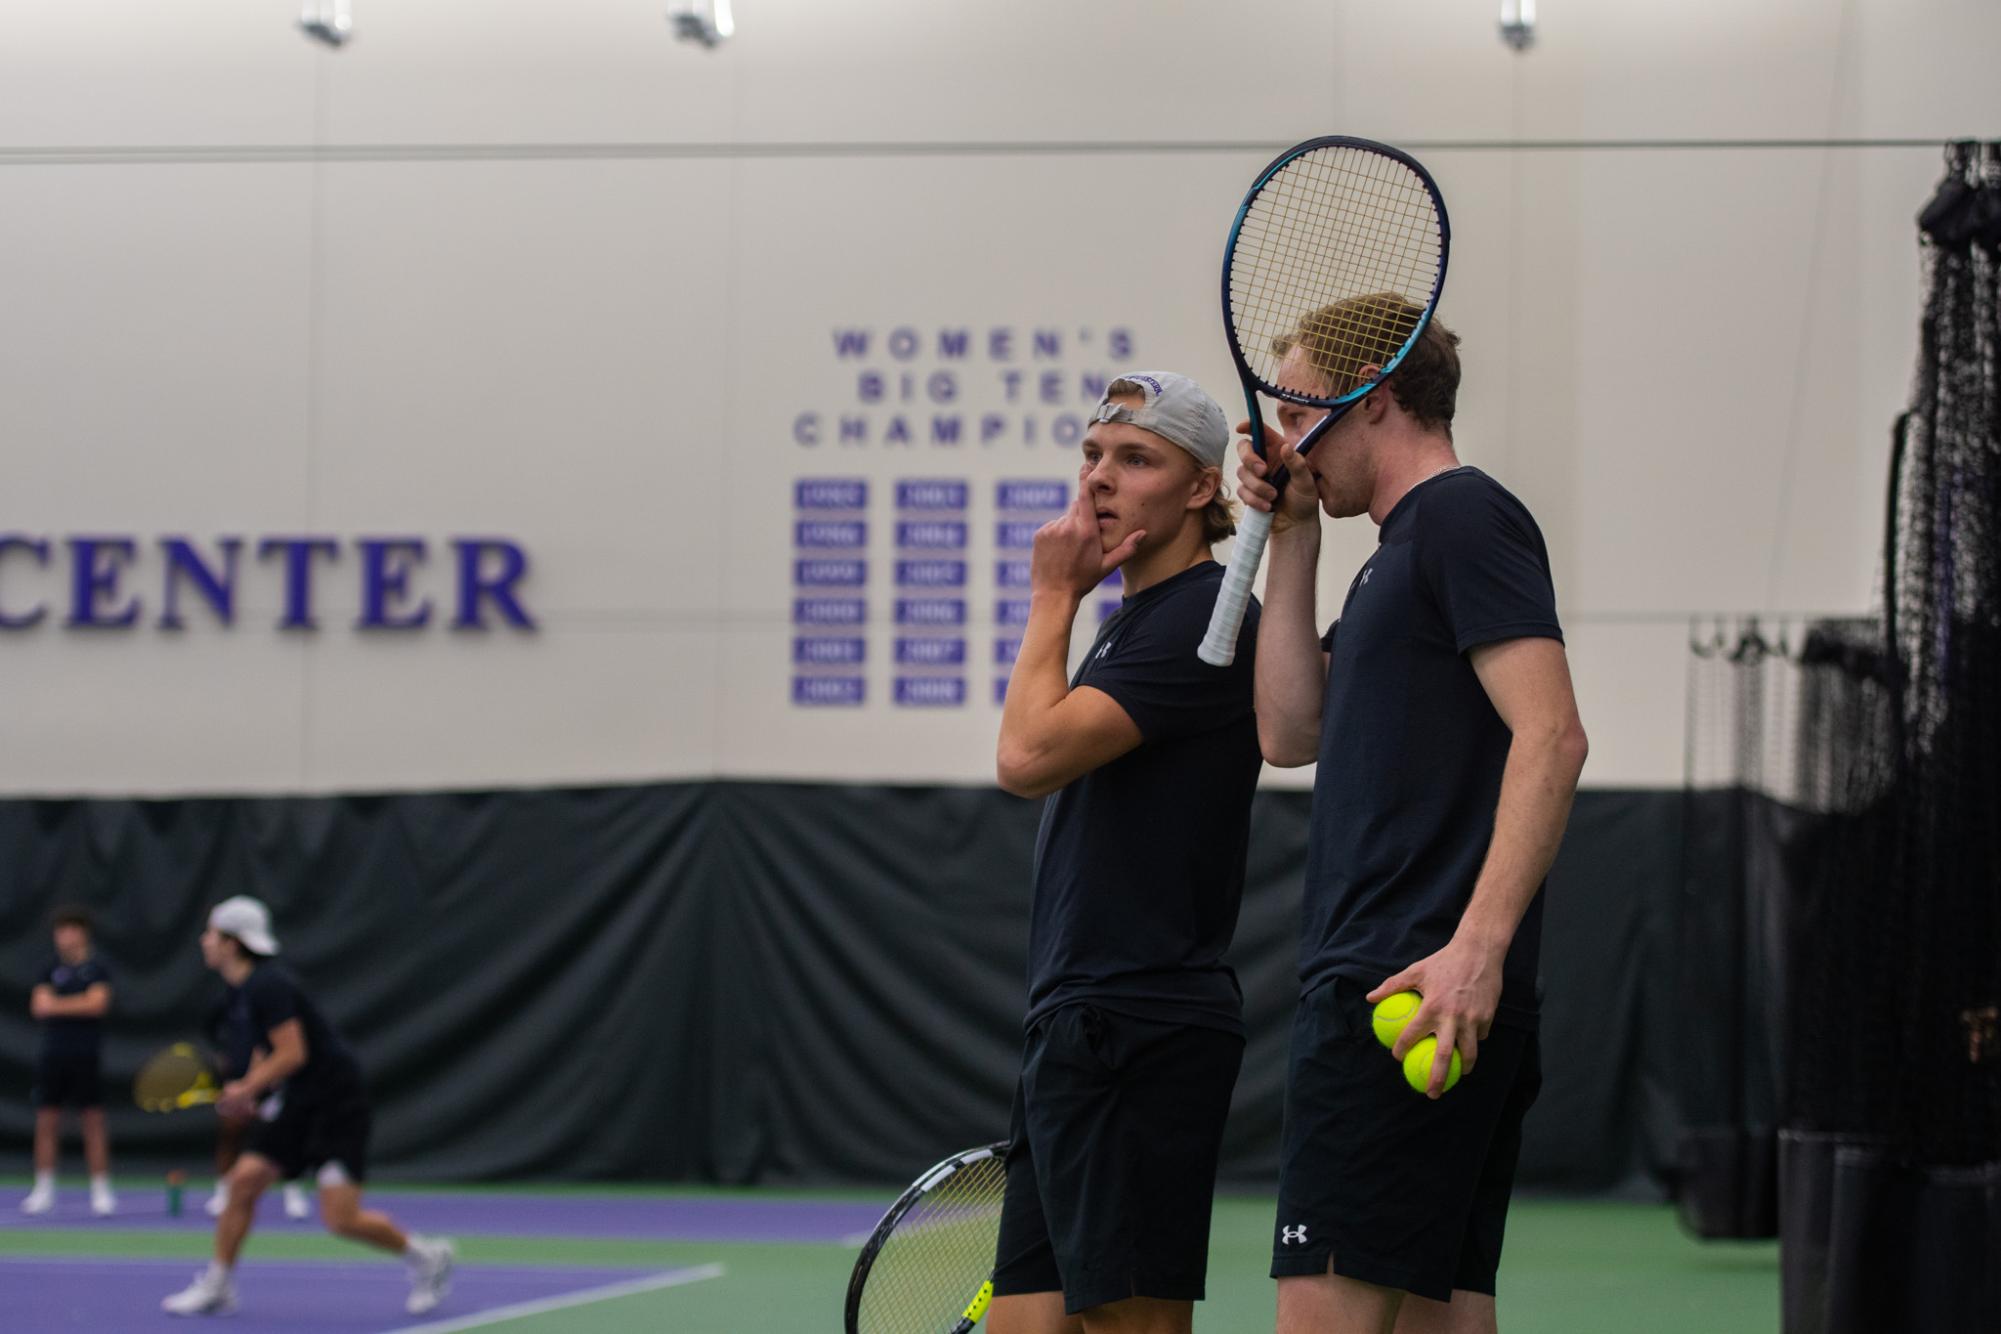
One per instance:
(312,1111)
(1149,758)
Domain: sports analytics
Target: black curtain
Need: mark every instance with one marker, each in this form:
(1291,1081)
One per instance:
(738,982)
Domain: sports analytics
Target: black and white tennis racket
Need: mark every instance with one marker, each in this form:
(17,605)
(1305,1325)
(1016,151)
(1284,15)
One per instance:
(1339,249)
(928,1266)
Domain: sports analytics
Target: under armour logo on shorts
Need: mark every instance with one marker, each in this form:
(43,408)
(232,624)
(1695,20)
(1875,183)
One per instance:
(1293,1236)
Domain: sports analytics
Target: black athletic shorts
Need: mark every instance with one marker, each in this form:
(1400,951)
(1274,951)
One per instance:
(305,1136)
(1396,1189)
(68,1079)
(1111,1166)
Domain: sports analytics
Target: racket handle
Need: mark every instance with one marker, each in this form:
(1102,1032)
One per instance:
(1219,646)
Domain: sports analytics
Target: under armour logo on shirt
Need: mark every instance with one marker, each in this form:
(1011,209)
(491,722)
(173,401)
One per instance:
(1367,570)
(1293,1236)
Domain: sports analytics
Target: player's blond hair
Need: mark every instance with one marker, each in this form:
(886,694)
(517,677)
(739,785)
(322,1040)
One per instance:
(1342,338)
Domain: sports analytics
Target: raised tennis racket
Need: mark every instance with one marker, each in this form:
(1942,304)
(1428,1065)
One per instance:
(1338,254)
(177,1078)
(928,1266)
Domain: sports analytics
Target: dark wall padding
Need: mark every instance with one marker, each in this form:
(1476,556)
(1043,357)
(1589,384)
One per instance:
(1874,1244)
(740,982)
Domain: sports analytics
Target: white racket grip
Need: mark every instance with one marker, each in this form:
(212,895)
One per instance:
(1219,646)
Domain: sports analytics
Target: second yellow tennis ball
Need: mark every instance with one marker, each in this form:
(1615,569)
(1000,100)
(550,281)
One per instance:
(1417,1065)
(1392,1013)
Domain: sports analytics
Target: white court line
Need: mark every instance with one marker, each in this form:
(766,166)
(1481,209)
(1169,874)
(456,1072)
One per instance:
(676,1279)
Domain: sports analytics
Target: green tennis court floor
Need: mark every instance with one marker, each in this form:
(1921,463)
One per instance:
(1572,1267)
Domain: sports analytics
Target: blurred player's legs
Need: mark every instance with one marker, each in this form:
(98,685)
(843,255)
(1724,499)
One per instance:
(430,1259)
(229,1136)
(230,1132)
(213,1292)
(298,1205)
(97,1157)
(68,1082)
(48,1127)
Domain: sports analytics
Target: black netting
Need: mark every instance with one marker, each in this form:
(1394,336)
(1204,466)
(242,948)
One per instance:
(1843,842)
(1943,874)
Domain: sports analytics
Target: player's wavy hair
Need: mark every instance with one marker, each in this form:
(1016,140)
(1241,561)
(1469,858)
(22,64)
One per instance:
(248,953)
(1340,339)
(1219,516)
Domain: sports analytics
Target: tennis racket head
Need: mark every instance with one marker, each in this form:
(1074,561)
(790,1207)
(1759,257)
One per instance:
(1333,268)
(1334,265)
(928,1266)
(176,1078)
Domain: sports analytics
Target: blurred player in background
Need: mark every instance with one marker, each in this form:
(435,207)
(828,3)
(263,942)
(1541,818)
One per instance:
(229,1034)
(71,1001)
(312,1114)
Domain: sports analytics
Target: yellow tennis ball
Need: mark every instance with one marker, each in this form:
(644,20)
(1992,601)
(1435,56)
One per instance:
(1392,1013)
(1417,1065)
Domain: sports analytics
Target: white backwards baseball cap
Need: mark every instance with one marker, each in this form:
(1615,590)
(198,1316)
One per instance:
(1176,409)
(248,920)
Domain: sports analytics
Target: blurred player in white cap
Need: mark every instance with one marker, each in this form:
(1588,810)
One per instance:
(312,1112)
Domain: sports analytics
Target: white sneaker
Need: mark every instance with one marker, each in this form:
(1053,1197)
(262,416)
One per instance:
(102,1202)
(212,1293)
(430,1260)
(38,1201)
(296,1205)
(218,1201)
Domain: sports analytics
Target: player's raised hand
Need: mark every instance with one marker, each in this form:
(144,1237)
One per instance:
(1069,556)
(1254,486)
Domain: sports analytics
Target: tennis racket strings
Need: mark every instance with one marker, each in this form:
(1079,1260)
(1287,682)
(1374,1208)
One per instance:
(930,1271)
(1340,254)
(175,1079)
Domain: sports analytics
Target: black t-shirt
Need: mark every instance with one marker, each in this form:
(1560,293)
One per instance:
(70,1034)
(270,997)
(228,1029)
(1411,748)
(1139,864)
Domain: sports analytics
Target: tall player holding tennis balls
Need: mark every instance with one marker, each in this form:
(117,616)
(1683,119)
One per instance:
(1440,711)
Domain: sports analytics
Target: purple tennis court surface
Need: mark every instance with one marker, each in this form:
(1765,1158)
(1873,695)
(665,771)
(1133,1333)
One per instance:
(500,1214)
(280,1297)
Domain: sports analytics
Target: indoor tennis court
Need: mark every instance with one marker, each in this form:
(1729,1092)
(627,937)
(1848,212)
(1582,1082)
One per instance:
(755,665)
(706,1261)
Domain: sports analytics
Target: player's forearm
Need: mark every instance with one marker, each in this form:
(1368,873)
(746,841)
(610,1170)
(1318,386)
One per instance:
(1039,682)
(1291,674)
(1537,788)
(76,1007)
(267,1072)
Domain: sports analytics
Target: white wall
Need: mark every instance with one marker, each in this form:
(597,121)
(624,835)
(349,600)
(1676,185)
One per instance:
(556,276)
